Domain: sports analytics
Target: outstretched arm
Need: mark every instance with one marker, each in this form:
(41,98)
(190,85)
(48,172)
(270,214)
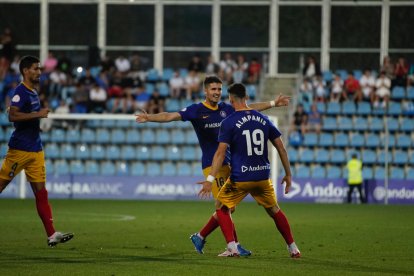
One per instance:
(16,116)
(217,163)
(280,100)
(162,117)
(278,144)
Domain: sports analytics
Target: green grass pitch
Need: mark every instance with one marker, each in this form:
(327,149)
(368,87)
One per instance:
(152,238)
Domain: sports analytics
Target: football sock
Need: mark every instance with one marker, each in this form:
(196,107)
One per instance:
(233,246)
(226,224)
(44,211)
(234,233)
(282,225)
(211,225)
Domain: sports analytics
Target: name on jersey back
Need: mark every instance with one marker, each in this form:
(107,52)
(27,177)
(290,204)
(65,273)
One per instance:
(249,118)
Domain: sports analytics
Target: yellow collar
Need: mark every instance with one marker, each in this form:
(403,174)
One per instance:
(209,106)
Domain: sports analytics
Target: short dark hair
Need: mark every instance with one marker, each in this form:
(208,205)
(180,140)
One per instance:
(27,62)
(211,79)
(238,90)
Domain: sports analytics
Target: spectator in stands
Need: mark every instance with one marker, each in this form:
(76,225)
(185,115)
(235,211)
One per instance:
(122,64)
(212,67)
(58,80)
(192,85)
(337,89)
(141,99)
(300,120)
(65,64)
(87,80)
(314,120)
(156,103)
(227,66)
(355,179)
(254,71)
(311,68)
(240,70)
(196,64)
(63,108)
(7,51)
(107,64)
(177,85)
(388,67)
(401,72)
(137,69)
(319,86)
(352,88)
(116,91)
(50,63)
(15,63)
(306,92)
(80,99)
(367,83)
(383,85)
(97,99)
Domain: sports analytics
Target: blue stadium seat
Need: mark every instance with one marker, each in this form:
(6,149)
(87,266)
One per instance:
(149,88)
(327,76)
(76,167)
(329,124)
(293,155)
(91,167)
(403,141)
(391,141)
(364,108)
(118,136)
(410,93)
(410,173)
(44,136)
(381,156)
(189,153)
(326,139)
(357,140)
(108,123)
(348,108)
(164,89)
(394,109)
(138,168)
(143,153)
(128,152)
(360,124)
(224,93)
(112,152)
(295,139)
(411,157)
(122,168)
(333,108)
(58,135)
(320,106)
(67,151)
(147,136)
(306,156)
(397,172)
(302,171)
(379,173)
(173,153)
(153,169)
(49,166)
(345,123)
(197,169)
(191,137)
(52,150)
(337,156)
(61,167)
(318,171)
(103,136)
(407,125)
(367,172)
(251,91)
(398,93)
(177,137)
(107,168)
(172,105)
(373,140)
(333,172)
(369,157)
(97,152)
(392,124)
(162,136)
(152,75)
(342,73)
(167,74)
(341,140)
(158,153)
(184,169)
(168,169)
(376,124)
(72,136)
(124,123)
(357,74)
(132,136)
(4,119)
(88,136)
(322,156)
(310,139)
(93,123)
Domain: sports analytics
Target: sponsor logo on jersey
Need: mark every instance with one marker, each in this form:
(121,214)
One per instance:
(16,99)
(223,114)
(255,168)
(206,116)
(212,125)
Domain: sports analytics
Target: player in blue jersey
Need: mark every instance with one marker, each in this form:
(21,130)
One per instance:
(25,148)
(206,119)
(245,133)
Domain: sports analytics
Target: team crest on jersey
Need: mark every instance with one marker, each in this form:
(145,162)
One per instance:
(223,114)
(16,99)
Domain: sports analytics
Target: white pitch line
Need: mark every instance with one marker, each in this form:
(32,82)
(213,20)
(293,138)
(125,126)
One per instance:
(114,216)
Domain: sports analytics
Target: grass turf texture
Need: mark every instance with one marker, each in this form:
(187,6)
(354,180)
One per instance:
(334,239)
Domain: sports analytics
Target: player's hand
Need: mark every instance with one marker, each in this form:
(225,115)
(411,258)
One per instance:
(141,117)
(205,191)
(282,100)
(288,180)
(43,113)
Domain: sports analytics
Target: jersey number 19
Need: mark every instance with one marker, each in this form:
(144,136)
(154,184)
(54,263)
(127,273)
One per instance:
(257,137)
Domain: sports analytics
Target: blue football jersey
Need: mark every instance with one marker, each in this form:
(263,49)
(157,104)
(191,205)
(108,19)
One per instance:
(206,121)
(26,135)
(247,133)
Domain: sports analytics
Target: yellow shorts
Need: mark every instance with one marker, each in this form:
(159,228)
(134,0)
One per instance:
(221,178)
(32,162)
(232,193)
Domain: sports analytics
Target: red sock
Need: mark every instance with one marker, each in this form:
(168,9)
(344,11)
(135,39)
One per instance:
(211,225)
(234,233)
(44,211)
(282,225)
(226,224)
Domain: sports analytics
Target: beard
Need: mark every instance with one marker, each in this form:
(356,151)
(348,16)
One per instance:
(35,80)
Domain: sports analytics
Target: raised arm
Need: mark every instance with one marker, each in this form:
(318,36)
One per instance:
(16,116)
(280,100)
(278,144)
(215,166)
(162,117)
